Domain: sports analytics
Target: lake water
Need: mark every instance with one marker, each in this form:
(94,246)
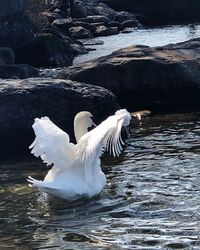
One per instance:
(150,37)
(151,201)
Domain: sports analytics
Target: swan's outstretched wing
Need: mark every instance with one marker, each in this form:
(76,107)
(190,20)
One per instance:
(52,144)
(106,136)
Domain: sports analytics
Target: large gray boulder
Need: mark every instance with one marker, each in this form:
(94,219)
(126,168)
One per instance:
(23,100)
(159,78)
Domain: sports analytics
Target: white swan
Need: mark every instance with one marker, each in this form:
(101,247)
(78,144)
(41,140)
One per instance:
(76,170)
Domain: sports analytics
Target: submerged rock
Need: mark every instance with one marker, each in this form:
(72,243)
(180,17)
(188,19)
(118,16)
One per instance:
(159,78)
(23,100)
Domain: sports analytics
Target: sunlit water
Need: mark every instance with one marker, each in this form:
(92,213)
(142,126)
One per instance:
(150,37)
(151,201)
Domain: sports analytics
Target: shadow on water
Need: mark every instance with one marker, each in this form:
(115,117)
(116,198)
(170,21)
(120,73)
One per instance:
(151,200)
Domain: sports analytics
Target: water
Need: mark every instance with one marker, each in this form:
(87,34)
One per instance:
(151,200)
(150,37)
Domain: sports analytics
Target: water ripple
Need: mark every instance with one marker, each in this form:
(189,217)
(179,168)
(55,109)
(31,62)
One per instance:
(151,200)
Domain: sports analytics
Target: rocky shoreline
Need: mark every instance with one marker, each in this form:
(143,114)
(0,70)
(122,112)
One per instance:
(159,78)
(48,37)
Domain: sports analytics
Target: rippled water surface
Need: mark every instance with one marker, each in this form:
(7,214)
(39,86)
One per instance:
(151,201)
(151,37)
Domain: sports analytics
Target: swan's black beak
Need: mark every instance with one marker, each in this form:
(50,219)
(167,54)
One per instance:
(92,127)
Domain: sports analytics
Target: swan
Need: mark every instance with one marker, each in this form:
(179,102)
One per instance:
(76,170)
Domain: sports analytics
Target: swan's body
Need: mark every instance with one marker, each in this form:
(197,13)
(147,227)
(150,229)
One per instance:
(76,170)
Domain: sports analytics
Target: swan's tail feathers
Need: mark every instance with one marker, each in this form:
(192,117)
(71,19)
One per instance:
(42,185)
(49,188)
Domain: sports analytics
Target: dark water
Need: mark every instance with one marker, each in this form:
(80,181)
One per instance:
(151,201)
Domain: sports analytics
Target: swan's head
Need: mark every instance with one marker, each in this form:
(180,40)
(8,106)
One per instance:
(84,117)
(82,121)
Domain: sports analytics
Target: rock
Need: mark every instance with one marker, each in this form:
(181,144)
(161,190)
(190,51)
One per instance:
(15,71)
(160,78)
(64,6)
(103,31)
(7,56)
(103,10)
(57,11)
(99,19)
(83,19)
(93,19)
(52,16)
(79,32)
(46,49)
(127,30)
(91,49)
(115,24)
(63,23)
(78,10)
(130,24)
(92,42)
(153,12)
(11,7)
(94,26)
(15,29)
(85,25)
(78,49)
(21,101)
(124,16)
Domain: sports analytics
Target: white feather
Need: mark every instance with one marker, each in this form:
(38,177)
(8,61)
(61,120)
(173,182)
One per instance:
(76,168)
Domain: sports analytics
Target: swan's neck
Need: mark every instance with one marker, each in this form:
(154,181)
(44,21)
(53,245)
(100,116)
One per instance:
(80,128)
